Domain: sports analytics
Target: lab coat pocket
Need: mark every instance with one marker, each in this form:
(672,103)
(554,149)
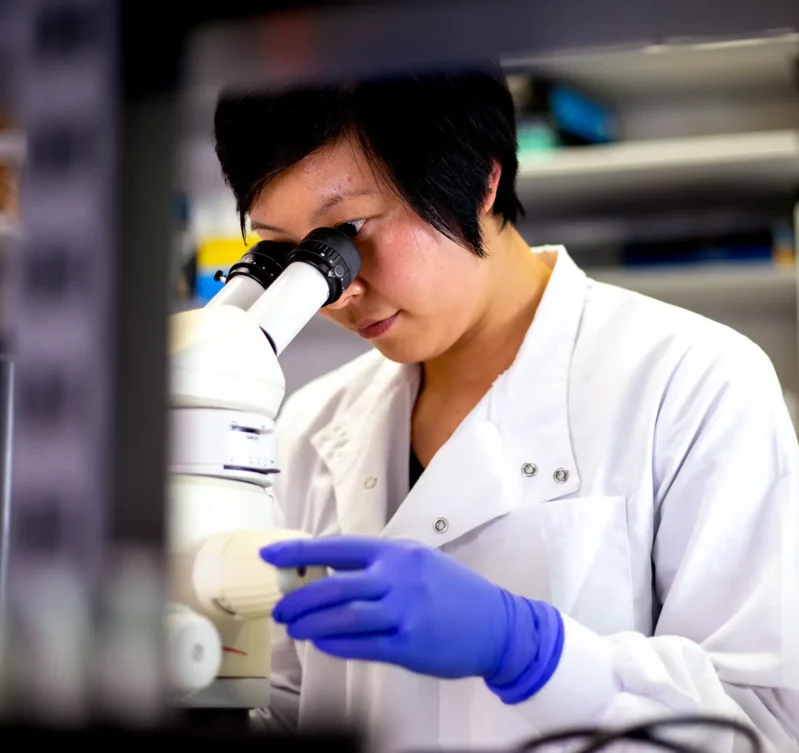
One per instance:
(588,554)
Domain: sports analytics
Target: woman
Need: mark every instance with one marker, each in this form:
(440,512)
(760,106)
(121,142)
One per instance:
(549,502)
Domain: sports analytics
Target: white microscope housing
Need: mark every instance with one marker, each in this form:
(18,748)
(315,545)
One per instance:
(226,389)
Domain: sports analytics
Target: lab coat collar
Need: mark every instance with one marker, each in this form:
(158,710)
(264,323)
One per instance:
(360,446)
(530,401)
(515,445)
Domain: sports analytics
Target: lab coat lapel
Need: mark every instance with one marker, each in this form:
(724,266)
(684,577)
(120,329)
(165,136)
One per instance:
(464,487)
(366,446)
(530,401)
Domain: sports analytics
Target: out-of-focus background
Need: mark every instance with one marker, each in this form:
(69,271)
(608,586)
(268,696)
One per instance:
(667,164)
(670,169)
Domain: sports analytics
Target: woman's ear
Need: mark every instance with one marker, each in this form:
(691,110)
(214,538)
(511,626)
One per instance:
(493,184)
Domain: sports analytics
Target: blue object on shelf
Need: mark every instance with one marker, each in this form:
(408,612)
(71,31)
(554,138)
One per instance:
(580,116)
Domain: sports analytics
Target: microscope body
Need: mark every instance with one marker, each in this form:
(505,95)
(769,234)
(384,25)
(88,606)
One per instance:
(226,390)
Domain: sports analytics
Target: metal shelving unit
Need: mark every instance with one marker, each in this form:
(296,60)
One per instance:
(741,285)
(756,164)
(707,127)
(728,66)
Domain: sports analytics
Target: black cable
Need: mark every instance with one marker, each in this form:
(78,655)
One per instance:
(646,739)
(559,737)
(598,739)
(708,721)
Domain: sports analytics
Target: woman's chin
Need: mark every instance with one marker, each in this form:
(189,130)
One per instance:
(404,349)
(401,350)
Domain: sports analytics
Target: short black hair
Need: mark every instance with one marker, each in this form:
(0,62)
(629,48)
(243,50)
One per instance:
(434,137)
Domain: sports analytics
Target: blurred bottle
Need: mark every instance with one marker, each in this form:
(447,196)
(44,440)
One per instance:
(784,244)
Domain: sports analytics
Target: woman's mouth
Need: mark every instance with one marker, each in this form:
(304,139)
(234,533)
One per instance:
(370,330)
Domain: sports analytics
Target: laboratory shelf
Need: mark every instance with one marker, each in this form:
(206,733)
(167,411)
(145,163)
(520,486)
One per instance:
(722,67)
(736,285)
(755,164)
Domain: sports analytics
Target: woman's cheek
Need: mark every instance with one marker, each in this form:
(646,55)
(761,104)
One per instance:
(411,264)
(388,266)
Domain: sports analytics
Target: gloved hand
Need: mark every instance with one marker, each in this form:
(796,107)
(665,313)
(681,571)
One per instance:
(407,604)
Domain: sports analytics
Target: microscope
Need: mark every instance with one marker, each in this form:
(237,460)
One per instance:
(226,389)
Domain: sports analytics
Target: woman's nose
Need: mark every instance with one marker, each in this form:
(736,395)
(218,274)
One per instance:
(355,290)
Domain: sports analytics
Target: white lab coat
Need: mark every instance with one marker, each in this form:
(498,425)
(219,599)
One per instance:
(636,467)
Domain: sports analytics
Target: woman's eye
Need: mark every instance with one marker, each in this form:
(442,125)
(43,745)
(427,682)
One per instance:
(351,228)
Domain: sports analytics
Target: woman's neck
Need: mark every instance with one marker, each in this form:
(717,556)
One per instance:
(517,281)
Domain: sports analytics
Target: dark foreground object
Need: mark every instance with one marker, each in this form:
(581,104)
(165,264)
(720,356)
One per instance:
(99,738)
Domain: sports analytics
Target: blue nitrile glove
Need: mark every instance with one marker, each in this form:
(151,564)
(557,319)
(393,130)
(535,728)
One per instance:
(407,604)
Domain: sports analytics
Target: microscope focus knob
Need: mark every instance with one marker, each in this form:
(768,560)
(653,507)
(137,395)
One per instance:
(230,578)
(194,650)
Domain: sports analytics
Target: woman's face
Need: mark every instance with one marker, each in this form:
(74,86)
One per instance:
(418,292)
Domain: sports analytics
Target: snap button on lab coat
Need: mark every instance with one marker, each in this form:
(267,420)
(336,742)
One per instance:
(370,482)
(561,475)
(529,469)
(441,525)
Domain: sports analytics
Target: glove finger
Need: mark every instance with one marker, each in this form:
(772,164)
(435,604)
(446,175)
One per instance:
(328,592)
(338,552)
(374,647)
(354,618)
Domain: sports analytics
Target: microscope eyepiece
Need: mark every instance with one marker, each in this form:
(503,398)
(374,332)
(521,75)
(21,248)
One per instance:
(317,271)
(282,285)
(329,251)
(332,253)
(263,262)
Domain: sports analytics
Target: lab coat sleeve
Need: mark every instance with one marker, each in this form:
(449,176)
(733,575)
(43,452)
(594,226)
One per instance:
(726,567)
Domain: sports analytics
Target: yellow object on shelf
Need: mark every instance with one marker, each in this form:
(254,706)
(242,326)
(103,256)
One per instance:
(224,251)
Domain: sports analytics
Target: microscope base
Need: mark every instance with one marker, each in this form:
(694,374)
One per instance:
(229,693)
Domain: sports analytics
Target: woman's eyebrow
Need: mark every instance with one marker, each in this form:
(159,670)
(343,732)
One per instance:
(328,204)
(255,225)
(340,196)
